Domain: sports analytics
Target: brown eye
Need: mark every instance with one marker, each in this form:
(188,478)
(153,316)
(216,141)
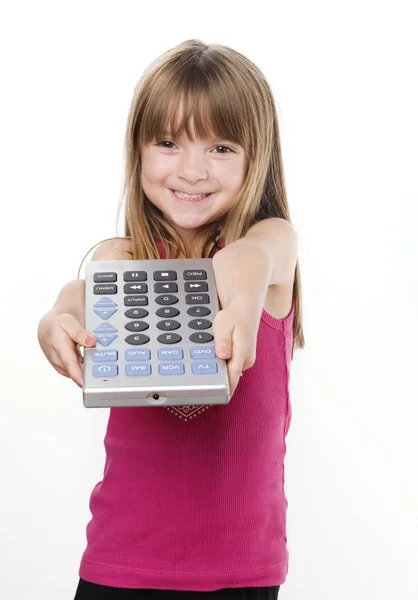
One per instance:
(225,147)
(165,142)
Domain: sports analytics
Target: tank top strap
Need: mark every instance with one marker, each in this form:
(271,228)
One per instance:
(160,247)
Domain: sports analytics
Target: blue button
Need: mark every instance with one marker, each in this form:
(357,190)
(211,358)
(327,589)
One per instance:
(203,367)
(171,369)
(105,370)
(134,370)
(105,328)
(170,353)
(139,354)
(105,301)
(105,313)
(202,352)
(104,355)
(105,340)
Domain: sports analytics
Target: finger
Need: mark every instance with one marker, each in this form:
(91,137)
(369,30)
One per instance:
(222,332)
(234,375)
(69,359)
(69,324)
(72,365)
(223,348)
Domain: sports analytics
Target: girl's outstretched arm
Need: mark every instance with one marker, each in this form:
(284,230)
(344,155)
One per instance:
(243,271)
(279,239)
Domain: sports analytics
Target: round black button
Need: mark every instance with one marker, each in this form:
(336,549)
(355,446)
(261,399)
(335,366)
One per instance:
(168,312)
(167,299)
(198,311)
(168,325)
(136,326)
(200,324)
(169,338)
(136,313)
(137,340)
(201,337)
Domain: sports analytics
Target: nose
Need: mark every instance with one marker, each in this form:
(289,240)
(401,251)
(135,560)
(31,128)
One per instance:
(192,167)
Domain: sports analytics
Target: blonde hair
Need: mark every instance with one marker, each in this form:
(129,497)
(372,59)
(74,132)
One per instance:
(227,96)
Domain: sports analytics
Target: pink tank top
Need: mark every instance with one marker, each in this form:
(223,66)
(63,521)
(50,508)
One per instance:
(192,497)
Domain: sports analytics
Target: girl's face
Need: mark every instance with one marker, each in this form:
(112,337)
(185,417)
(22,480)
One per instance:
(212,166)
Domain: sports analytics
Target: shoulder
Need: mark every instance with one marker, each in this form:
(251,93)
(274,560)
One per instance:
(114,249)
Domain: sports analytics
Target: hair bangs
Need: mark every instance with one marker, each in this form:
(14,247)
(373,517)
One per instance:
(199,110)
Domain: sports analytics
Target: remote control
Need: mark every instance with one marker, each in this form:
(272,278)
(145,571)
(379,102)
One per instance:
(152,320)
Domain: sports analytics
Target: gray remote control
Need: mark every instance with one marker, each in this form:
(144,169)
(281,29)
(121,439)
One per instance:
(152,320)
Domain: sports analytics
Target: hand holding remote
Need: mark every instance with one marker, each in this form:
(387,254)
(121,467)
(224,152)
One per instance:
(235,331)
(60,337)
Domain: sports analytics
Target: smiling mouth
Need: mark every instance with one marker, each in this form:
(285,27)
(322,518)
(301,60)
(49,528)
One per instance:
(190,197)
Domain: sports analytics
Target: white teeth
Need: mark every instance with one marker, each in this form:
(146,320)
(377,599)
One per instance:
(184,196)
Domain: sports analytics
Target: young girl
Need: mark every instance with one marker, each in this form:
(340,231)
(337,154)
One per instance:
(192,500)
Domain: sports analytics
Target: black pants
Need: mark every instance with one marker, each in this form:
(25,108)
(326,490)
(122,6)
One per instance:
(93,591)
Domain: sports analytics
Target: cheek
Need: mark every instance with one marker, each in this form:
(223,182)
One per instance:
(154,170)
(234,176)
(233,181)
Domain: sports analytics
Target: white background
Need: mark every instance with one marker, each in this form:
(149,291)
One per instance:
(344,78)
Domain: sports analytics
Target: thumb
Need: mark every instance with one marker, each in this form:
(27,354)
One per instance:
(222,333)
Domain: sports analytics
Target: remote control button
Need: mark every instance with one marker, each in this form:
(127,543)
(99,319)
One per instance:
(105,328)
(196,274)
(164,288)
(197,299)
(136,313)
(137,370)
(203,352)
(105,288)
(138,354)
(104,302)
(196,287)
(135,276)
(170,353)
(169,299)
(137,340)
(105,370)
(200,324)
(198,311)
(136,326)
(165,276)
(168,325)
(136,300)
(169,338)
(202,337)
(104,277)
(171,369)
(105,340)
(135,288)
(204,368)
(104,355)
(168,312)
(105,313)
